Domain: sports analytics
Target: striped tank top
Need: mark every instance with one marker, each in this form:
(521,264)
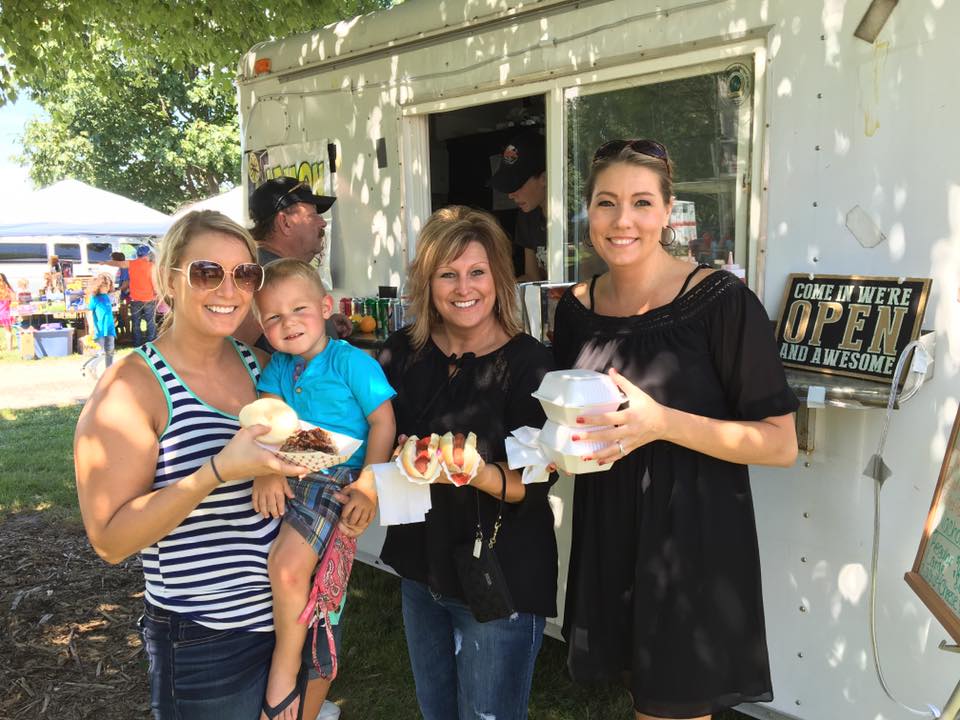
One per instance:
(212,568)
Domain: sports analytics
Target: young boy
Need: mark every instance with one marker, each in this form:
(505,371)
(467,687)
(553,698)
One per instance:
(100,322)
(336,386)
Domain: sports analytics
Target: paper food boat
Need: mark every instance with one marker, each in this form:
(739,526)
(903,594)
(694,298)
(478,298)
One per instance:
(315,461)
(567,394)
(566,453)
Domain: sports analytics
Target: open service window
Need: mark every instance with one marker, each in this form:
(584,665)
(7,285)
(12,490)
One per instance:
(704,116)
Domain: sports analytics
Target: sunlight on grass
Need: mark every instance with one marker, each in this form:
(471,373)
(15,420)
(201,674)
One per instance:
(36,460)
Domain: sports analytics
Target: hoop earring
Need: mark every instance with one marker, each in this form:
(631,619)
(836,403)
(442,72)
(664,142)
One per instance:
(673,236)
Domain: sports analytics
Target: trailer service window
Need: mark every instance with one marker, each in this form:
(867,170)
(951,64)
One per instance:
(705,121)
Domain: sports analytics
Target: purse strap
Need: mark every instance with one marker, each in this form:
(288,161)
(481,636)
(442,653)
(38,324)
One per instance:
(496,524)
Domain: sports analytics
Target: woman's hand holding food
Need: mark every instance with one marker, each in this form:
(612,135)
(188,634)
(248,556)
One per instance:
(642,422)
(243,458)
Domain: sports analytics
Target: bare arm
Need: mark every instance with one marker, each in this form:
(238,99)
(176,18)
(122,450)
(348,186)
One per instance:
(383,429)
(531,268)
(115,263)
(771,441)
(115,453)
(488,480)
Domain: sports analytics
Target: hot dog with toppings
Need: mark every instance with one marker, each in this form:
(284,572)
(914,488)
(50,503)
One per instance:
(460,456)
(420,456)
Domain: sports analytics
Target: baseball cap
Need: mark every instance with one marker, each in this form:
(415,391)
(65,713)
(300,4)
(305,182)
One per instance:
(522,158)
(142,251)
(278,193)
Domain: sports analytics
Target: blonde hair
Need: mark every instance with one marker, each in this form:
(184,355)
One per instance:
(276,271)
(443,239)
(97,282)
(172,246)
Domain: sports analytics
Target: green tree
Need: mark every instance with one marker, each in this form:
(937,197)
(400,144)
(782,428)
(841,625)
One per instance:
(41,41)
(157,136)
(140,95)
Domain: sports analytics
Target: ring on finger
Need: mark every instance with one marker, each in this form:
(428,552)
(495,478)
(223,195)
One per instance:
(622,451)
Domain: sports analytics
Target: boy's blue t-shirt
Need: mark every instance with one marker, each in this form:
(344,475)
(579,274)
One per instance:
(102,310)
(336,390)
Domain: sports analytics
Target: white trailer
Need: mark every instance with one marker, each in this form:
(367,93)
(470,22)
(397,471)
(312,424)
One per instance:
(804,149)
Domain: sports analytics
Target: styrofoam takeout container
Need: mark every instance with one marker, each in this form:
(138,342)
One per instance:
(558,445)
(316,461)
(567,394)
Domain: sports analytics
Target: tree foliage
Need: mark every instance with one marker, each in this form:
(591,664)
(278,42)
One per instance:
(140,95)
(158,136)
(42,40)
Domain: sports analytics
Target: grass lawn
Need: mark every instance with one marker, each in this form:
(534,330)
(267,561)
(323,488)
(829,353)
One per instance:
(36,460)
(375,683)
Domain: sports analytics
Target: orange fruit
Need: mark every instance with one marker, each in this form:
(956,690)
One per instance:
(368,324)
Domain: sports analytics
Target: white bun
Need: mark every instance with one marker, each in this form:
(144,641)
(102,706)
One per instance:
(275,414)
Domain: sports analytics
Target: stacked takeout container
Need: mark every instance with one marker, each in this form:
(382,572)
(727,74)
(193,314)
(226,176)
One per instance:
(566,395)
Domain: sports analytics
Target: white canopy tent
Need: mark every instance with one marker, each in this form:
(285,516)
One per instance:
(230,203)
(70,207)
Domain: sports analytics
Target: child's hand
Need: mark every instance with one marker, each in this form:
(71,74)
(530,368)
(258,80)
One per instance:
(359,507)
(269,495)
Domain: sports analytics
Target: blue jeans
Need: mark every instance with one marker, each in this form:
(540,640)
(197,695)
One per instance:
(140,310)
(197,672)
(465,669)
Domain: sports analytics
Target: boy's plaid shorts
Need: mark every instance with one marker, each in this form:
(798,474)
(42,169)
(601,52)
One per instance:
(313,511)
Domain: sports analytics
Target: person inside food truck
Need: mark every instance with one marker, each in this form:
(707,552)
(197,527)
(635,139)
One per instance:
(288,223)
(522,176)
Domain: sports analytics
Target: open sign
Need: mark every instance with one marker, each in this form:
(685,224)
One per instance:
(849,325)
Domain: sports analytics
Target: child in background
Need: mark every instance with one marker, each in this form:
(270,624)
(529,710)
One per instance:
(100,321)
(338,387)
(6,317)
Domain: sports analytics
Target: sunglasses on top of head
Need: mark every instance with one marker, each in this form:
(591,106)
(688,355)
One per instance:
(643,146)
(279,204)
(209,275)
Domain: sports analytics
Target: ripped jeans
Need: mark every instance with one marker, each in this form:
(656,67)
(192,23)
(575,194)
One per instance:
(465,669)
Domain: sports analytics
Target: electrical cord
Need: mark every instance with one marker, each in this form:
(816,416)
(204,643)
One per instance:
(878,471)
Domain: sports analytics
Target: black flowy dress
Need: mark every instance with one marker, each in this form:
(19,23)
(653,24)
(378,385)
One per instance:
(664,583)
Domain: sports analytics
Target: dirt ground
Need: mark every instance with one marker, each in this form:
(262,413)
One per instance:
(69,646)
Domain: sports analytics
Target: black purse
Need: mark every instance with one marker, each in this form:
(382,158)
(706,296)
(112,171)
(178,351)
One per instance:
(484,586)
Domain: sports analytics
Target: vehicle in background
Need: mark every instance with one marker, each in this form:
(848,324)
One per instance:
(29,257)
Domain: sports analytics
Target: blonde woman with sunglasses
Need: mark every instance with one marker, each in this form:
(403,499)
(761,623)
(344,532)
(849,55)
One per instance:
(164,470)
(664,582)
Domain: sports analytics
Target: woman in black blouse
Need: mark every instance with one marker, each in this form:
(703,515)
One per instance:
(664,584)
(465,366)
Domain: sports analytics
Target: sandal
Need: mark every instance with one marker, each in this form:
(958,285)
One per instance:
(299,690)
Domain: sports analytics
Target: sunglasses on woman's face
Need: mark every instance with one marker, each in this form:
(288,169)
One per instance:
(208,275)
(644,147)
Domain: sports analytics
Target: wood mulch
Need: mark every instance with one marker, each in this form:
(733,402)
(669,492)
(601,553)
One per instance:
(69,645)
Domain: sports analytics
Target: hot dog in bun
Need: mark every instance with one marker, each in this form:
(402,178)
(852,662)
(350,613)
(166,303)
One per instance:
(420,457)
(460,456)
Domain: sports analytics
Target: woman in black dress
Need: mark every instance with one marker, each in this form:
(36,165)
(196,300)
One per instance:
(464,366)
(664,592)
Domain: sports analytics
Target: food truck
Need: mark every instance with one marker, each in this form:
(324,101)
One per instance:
(810,139)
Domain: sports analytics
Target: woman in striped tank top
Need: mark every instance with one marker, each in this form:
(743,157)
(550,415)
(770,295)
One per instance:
(164,469)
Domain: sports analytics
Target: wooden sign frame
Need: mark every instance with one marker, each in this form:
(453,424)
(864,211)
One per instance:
(931,597)
(909,329)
